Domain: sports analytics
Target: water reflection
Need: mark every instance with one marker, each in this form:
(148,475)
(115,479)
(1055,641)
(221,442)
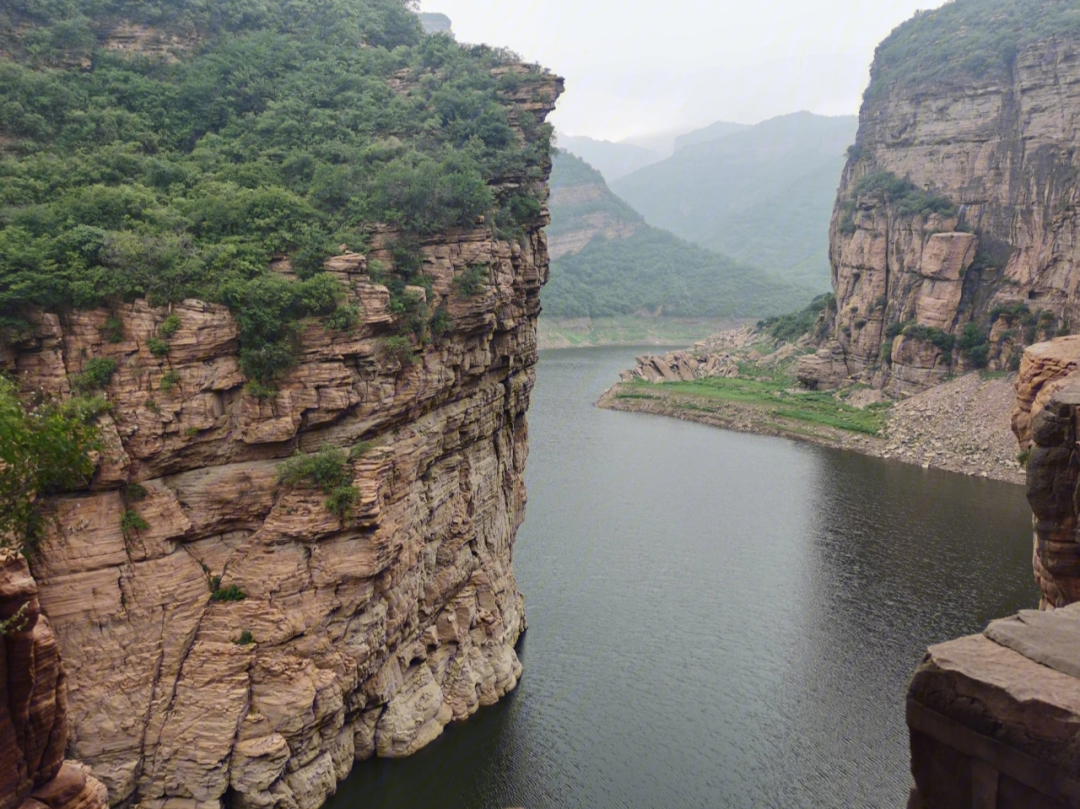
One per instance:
(715,619)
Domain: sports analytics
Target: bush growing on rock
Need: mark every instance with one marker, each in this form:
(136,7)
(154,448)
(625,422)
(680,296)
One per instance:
(45,449)
(327,470)
(276,136)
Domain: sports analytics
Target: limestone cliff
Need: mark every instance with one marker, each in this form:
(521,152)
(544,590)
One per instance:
(241,641)
(957,206)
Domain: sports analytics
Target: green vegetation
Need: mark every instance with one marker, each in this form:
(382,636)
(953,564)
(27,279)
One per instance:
(656,272)
(95,376)
(762,195)
(327,470)
(941,340)
(132,523)
(169,380)
(17,622)
(44,449)
(966,39)
(245,639)
(471,282)
(567,210)
(643,270)
(135,492)
(902,195)
(974,346)
(776,396)
(230,593)
(792,326)
(272,134)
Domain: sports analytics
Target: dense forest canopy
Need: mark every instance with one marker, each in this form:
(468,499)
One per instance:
(966,38)
(287,127)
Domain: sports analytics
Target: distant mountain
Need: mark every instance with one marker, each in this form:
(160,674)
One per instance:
(613,160)
(434,23)
(713,131)
(763,195)
(608,261)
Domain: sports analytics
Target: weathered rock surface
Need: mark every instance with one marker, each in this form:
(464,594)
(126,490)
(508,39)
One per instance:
(33,705)
(1045,423)
(368,632)
(1003,149)
(995,718)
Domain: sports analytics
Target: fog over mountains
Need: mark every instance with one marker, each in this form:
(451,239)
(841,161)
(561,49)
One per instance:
(761,194)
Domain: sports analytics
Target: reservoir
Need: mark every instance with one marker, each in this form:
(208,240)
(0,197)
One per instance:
(715,619)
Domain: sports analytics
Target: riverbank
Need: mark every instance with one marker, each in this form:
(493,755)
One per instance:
(586,332)
(960,426)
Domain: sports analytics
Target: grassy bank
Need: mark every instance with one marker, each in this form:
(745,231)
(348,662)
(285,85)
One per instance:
(776,400)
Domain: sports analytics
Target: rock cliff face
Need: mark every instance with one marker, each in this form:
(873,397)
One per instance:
(33,705)
(356,635)
(910,272)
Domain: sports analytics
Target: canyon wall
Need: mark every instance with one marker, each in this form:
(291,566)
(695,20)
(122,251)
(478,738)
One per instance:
(33,705)
(238,640)
(986,231)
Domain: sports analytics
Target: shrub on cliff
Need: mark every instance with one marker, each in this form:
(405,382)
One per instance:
(327,470)
(44,449)
(270,134)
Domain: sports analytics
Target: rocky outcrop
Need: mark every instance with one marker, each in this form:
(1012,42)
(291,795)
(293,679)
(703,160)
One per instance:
(33,705)
(1045,424)
(995,717)
(243,641)
(909,272)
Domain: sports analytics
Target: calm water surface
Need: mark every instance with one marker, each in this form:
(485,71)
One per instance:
(716,619)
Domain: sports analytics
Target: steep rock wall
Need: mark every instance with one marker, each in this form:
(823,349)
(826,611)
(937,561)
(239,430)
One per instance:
(367,633)
(33,705)
(1003,150)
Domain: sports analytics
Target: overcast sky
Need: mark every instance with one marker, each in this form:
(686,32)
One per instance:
(634,67)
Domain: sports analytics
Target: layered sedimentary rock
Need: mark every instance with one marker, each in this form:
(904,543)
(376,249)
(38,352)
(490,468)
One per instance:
(1045,423)
(1002,149)
(356,635)
(995,717)
(33,705)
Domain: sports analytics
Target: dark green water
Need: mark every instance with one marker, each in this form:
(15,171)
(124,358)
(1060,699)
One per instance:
(716,619)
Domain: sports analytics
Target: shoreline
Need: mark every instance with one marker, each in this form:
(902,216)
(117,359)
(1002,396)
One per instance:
(755,420)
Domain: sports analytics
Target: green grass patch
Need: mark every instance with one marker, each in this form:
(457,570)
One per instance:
(777,397)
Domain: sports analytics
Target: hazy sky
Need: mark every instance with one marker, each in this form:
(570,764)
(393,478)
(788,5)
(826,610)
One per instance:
(644,66)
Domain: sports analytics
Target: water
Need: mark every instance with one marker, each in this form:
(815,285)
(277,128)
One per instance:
(716,619)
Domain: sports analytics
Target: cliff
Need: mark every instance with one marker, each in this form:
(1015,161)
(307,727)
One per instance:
(354,636)
(233,632)
(33,705)
(953,241)
(994,718)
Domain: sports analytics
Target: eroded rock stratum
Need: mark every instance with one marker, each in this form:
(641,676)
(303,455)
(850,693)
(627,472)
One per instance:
(958,205)
(369,633)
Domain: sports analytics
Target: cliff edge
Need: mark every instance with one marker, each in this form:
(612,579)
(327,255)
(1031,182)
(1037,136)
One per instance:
(295,549)
(953,239)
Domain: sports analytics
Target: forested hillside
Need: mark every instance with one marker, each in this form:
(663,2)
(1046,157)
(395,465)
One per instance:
(613,160)
(236,132)
(609,262)
(762,195)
